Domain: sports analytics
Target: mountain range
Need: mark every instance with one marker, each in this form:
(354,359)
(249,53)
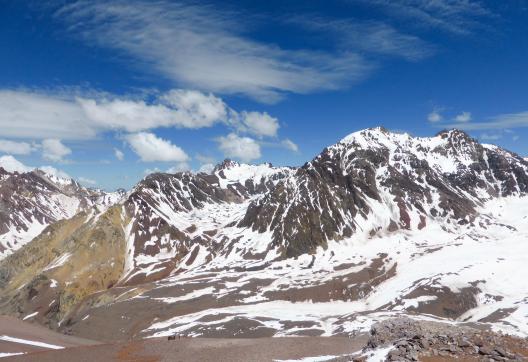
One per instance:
(377,225)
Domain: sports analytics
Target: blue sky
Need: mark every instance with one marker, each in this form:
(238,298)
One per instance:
(109,90)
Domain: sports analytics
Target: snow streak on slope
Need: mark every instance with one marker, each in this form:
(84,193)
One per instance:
(32,343)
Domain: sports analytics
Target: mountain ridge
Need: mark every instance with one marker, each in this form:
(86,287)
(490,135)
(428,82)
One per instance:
(33,199)
(359,218)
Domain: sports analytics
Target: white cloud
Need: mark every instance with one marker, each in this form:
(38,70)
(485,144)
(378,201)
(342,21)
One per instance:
(179,167)
(54,172)
(503,121)
(206,168)
(11,164)
(151,148)
(205,159)
(16,148)
(490,136)
(130,115)
(36,115)
(196,109)
(243,148)
(202,48)
(463,117)
(54,150)
(119,154)
(177,108)
(434,116)
(259,124)
(87,181)
(148,171)
(290,145)
(26,114)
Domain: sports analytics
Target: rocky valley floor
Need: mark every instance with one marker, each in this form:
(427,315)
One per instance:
(396,339)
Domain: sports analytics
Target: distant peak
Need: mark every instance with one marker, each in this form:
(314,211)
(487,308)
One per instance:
(453,133)
(226,164)
(53,174)
(10,165)
(376,134)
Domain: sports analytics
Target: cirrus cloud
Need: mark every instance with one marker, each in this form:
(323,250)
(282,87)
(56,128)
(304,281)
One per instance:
(502,121)
(201,47)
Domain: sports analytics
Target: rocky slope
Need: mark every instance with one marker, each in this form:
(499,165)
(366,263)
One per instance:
(404,339)
(29,201)
(415,179)
(177,217)
(376,225)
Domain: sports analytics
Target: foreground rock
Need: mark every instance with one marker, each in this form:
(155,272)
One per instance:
(405,339)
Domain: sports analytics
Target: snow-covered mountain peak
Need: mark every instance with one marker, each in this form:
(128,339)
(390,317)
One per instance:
(454,133)
(380,137)
(10,165)
(225,164)
(448,152)
(374,138)
(230,172)
(56,177)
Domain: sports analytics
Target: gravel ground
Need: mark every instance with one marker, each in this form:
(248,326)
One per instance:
(205,350)
(15,328)
(398,339)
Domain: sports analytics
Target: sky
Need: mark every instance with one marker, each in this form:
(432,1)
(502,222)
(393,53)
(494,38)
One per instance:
(109,91)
